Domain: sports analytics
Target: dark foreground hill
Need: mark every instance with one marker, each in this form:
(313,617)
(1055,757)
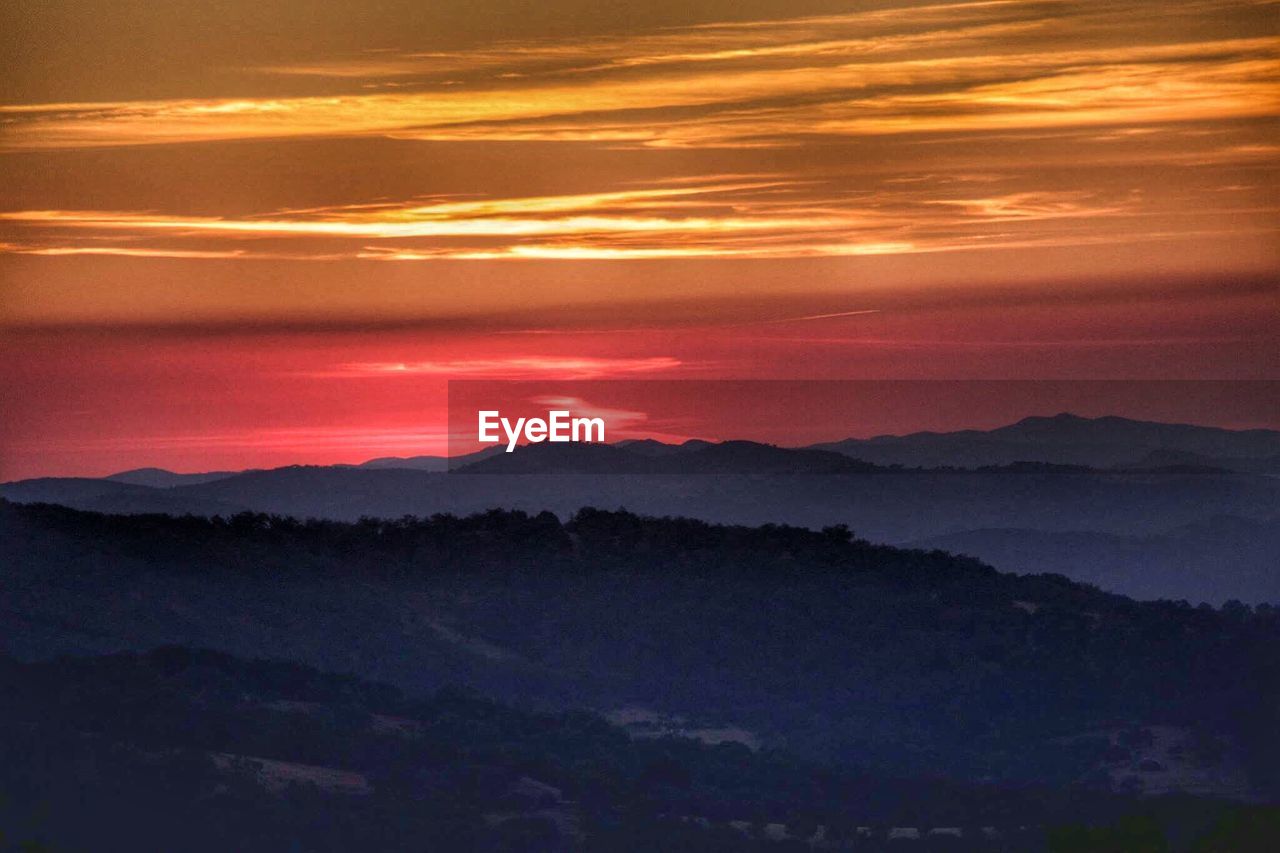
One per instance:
(191,750)
(897,661)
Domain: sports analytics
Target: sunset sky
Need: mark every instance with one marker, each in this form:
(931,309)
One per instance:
(263,232)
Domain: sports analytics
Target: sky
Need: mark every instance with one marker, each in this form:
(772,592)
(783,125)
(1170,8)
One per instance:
(266,232)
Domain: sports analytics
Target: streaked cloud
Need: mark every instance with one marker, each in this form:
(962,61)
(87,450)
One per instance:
(990,97)
(354,440)
(773,219)
(511,367)
(966,66)
(116,251)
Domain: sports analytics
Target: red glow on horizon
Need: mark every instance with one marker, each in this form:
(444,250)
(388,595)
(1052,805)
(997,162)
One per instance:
(93,405)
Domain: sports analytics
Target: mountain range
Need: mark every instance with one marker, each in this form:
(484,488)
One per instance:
(730,664)
(1146,509)
(1105,442)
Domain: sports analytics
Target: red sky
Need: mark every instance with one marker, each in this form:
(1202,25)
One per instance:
(271,234)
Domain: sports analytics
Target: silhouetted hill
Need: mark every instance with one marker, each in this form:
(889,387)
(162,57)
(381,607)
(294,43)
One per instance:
(652,447)
(159,478)
(738,457)
(428,463)
(560,459)
(788,486)
(108,495)
(69,490)
(1026,496)
(1104,442)
(417,463)
(728,457)
(888,507)
(903,662)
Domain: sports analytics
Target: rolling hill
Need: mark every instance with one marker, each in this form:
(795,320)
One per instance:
(1127,505)
(899,661)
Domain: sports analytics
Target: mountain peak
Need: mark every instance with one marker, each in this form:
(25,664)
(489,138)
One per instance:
(162,478)
(124,476)
(1060,418)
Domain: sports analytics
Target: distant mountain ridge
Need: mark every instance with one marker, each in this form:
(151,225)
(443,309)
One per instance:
(694,457)
(1064,439)
(160,478)
(1067,439)
(1145,527)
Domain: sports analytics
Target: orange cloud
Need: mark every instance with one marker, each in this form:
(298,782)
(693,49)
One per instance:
(519,367)
(353,440)
(929,69)
(1036,86)
(724,220)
